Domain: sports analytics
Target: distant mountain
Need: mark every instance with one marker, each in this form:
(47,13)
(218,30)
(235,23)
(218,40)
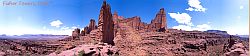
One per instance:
(34,37)
(243,36)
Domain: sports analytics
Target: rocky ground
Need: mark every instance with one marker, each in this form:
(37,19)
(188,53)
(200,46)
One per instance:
(132,42)
(17,47)
(26,47)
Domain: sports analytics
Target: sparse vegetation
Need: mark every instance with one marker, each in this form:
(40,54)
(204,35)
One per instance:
(80,53)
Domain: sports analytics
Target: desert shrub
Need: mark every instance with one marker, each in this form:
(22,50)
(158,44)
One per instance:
(81,53)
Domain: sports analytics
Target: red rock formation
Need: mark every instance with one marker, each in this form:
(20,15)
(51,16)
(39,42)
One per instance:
(143,25)
(89,28)
(76,33)
(92,25)
(106,24)
(238,49)
(159,23)
(86,30)
(117,18)
(82,33)
(134,22)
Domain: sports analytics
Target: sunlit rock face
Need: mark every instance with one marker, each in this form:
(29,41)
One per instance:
(89,28)
(76,33)
(92,25)
(106,24)
(117,18)
(159,22)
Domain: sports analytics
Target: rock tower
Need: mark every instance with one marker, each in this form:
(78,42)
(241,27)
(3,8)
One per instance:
(106,24)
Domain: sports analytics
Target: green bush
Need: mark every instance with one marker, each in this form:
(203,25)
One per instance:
(80,53)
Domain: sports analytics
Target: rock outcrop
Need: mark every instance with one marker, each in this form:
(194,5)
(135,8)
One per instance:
(133,22)
(106,24)
(105,28)
(198,44)
(159,23)
(92,25)
(82,33)
(117,18)
(237,49)
(76,33)
(89,28)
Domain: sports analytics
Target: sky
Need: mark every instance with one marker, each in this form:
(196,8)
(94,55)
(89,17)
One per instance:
(56,17)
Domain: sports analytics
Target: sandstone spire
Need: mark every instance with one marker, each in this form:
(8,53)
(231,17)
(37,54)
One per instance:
(160,21)
(115,15)
(92,25)
(105,24)
(76,33)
